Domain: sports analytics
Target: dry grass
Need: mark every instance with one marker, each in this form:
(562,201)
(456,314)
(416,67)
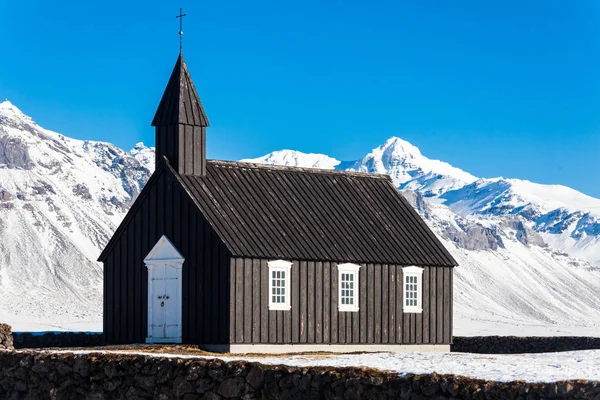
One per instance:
(192,350)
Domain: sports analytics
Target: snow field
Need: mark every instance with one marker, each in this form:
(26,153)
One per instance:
(542,367)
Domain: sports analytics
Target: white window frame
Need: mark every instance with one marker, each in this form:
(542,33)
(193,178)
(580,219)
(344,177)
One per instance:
(418,273)
(281,266)
(348,269)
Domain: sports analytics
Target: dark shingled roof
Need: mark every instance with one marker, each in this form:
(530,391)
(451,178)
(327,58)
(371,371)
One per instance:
(180,103)
(310,214)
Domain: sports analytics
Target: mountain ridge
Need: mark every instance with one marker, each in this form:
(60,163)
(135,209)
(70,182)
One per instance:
(61,199)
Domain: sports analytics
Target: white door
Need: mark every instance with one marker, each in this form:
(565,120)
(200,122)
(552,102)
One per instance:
(164,265)
(166,302)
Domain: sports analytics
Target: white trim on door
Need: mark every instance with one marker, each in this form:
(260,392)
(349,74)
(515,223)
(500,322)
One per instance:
(163,256)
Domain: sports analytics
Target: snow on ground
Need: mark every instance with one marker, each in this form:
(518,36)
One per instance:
(524,291)
(542,367)
(24,325)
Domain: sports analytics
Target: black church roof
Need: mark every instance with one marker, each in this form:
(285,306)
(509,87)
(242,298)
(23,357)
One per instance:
(291,213)
(295,213)
(180,103)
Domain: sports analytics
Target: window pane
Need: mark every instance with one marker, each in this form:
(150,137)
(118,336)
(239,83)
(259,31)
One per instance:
(282,274)
(346,289)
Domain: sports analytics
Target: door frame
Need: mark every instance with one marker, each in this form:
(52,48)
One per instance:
(164,253)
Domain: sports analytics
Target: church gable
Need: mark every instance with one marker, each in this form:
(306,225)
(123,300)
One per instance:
(162,204)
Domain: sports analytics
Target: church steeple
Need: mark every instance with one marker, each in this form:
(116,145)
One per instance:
(180,123)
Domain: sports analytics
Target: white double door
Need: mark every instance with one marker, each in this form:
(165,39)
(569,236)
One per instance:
(164,303)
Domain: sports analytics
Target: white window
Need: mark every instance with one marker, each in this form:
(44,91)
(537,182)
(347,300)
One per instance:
(348,287)
(279,285)
(413,289)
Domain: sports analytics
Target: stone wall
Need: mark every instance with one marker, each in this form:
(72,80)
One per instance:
(463,344)
(6,338)
(516,345)
(34,375)
(28,340)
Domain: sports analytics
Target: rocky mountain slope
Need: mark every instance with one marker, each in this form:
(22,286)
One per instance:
(60,200)
(516,242)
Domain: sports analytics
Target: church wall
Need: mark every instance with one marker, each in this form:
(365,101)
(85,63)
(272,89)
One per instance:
(314,315)
(163,208)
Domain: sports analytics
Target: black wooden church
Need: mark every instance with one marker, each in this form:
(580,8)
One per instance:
(253,258)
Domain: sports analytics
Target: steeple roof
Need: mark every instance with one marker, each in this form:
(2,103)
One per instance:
(180,103)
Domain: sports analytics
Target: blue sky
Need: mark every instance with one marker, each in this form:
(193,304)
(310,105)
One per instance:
(497,88)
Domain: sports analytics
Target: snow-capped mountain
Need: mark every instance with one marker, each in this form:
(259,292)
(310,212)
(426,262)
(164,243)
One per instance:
(61,199)
(411,170)
(401,160)
(526,251)
(296,159)
(566,219)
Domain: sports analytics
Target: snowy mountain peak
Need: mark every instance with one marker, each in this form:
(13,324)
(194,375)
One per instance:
(6,104)
(144,154)
(398,158)
(395,147)
(410,169)
(8,111)
(296,159)
(138,146)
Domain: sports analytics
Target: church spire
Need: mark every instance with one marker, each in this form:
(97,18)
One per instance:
(180,103)
(180,123)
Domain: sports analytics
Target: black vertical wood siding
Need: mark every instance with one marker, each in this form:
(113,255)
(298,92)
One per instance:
(165,209)
(314,315)
(184,146)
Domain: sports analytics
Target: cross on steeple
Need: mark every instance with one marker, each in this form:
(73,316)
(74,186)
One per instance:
(180,16)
